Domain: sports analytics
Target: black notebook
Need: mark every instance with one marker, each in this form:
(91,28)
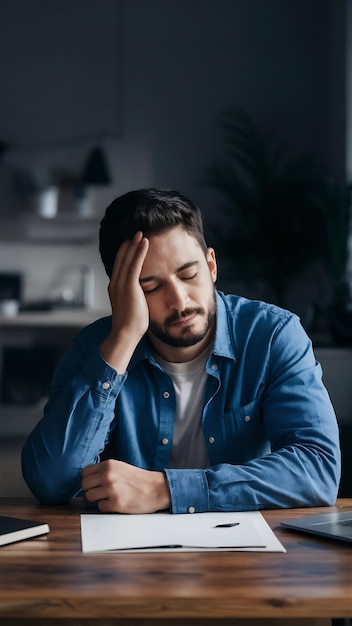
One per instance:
(14,529)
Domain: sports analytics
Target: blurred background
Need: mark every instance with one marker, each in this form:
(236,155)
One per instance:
(243,105)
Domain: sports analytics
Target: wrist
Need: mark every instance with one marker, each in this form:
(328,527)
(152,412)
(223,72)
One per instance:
(117,350)
(163,493)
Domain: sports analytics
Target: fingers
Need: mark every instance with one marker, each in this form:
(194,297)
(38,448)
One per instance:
(123,488)
(129,259)
(130,314)
(98,485)
(90,474)
(94,483)
(91,479)
(124,287)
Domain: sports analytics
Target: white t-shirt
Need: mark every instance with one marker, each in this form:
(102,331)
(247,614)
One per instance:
(188,447)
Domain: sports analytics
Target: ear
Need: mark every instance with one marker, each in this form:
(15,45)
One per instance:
(211,260)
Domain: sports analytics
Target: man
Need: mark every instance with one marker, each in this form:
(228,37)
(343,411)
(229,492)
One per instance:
(184,398)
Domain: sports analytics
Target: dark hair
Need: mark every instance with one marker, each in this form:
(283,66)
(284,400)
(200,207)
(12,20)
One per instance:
(150,211)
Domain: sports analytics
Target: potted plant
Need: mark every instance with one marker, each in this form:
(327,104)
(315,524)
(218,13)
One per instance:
(333,202)
(281,214)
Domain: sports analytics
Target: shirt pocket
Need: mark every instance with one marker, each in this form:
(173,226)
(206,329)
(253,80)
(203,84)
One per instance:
(244,432)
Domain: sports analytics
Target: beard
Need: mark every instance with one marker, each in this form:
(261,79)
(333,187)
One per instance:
(187,337)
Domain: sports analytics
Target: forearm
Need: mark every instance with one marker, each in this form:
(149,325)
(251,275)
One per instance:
(292,477)
(72,432)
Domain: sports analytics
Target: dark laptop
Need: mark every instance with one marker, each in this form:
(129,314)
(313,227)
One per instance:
(336,525)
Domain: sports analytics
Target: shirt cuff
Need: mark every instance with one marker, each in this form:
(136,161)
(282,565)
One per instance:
(102,378)
(188,490)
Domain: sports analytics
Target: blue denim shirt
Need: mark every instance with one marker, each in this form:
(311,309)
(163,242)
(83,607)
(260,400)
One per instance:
(268,423)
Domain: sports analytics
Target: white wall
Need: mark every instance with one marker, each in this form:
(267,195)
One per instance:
(182,62)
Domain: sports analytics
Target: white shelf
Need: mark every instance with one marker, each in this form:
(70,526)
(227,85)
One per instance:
(65,228)
(63,318)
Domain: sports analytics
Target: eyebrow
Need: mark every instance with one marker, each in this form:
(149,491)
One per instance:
(148,279)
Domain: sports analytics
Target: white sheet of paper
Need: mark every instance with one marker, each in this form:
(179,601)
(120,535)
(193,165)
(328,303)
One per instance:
(160,532)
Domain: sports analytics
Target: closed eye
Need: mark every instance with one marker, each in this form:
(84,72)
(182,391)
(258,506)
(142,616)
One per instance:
(152,290)
(188,271)
(189,277)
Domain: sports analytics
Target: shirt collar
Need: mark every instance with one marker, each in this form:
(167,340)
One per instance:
(223,342)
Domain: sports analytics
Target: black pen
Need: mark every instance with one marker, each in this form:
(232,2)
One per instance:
(228,525)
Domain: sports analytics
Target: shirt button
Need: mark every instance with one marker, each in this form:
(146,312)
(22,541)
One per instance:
(164,441)
(247,418)
(166,394)
(211,439)
(191,509)
(215,367)
(106,385)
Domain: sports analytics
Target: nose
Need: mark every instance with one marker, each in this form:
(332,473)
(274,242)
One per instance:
(177,295)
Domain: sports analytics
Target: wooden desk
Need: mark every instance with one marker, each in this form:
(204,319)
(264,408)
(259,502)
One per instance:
(44,579)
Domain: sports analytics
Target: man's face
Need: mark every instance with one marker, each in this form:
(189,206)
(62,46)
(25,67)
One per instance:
(178,282)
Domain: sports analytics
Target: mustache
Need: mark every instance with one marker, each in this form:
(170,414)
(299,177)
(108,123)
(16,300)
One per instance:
(176,316)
